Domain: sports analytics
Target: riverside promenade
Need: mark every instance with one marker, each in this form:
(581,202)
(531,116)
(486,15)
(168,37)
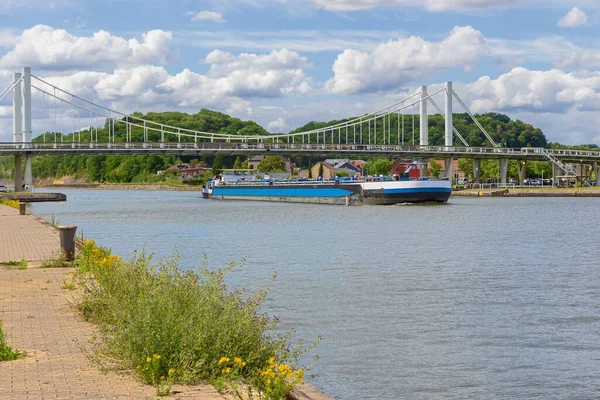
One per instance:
(40,320)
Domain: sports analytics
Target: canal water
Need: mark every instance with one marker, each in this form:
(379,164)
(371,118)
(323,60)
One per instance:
(487,298)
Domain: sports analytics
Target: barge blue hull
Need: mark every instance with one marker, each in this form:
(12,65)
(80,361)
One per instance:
(348,194)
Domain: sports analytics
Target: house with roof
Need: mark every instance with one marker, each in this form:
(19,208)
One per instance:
(343,165)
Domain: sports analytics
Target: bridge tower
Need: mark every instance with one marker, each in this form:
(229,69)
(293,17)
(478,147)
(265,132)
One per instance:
(22,130)
(448,130)
(424,126)
(17,126)
(27,129)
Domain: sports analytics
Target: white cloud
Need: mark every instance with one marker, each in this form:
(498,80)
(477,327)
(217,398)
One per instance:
(276,126)
(553,91)
(575,17)
(231,82)
(47,48)
(297,40)
(207,16)
(588,58)
(251,75)
(430,5)
(396,63)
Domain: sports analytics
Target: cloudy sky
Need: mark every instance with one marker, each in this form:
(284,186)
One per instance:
(284,63)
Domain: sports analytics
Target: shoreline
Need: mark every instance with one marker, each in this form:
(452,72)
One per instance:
(41,321)
(523,192)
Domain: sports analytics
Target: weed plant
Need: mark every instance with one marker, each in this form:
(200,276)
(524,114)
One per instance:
(177,325)
(58,259)
(7,353)
(10,203)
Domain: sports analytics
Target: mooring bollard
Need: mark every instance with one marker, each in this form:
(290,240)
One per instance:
(22,208)
(67,240)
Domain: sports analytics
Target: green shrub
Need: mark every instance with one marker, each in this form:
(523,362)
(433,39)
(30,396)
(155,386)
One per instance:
(189,319)
(6,352)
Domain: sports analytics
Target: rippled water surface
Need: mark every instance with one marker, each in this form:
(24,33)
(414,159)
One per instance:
(487,298)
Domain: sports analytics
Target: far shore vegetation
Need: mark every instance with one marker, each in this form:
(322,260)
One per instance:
(170,325)
(143,169)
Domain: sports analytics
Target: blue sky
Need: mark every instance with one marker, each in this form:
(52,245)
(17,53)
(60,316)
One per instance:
(285,63)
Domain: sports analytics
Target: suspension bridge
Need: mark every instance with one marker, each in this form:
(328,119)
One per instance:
(357,137)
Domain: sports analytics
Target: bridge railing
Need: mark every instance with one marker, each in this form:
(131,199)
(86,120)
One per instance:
(416,151)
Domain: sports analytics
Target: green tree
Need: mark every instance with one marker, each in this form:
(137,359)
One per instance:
(217,165)
(238,163)
(321,170)
(379,166)
(310,171)
(271,164)
(434,168)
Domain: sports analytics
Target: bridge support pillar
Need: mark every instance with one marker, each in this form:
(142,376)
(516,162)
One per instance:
(28,175)
(556,172)
(522,169)
(476,170)
(596,168)
(18,174)
(449,163)
(503,170)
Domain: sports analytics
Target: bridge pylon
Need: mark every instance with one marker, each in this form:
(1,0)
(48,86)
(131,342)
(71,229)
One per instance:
(22,126)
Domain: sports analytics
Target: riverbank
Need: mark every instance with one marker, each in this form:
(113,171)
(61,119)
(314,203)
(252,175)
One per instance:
(40,320)
(36,307)
(125,186)
(533,192)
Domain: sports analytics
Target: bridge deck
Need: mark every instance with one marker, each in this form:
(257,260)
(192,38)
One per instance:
(325,150)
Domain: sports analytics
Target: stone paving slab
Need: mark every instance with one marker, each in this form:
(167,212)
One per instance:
(25,237)
(39,318)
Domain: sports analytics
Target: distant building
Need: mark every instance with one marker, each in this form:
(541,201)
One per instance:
(328,170)
(176,167)
(406,166)
(344,165)
(189,173)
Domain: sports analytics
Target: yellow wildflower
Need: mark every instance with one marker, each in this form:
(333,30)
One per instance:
(299,375)
(226,371)
(271,360)
(238,361)
(157,356)
(171,372)
(148,359)
(223,360)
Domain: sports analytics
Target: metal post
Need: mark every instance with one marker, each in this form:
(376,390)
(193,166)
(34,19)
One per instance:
(17,111)
(448,114)
(423,118)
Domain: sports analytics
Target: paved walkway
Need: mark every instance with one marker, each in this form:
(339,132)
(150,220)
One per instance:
(40,320)
(24,236)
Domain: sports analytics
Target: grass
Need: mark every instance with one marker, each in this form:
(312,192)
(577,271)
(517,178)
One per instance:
(172,325)
(19,264)
(57,260)
(7,353)
(10,203)
(54,221)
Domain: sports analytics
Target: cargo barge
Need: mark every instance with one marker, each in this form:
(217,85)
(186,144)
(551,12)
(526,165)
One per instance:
(367,191)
